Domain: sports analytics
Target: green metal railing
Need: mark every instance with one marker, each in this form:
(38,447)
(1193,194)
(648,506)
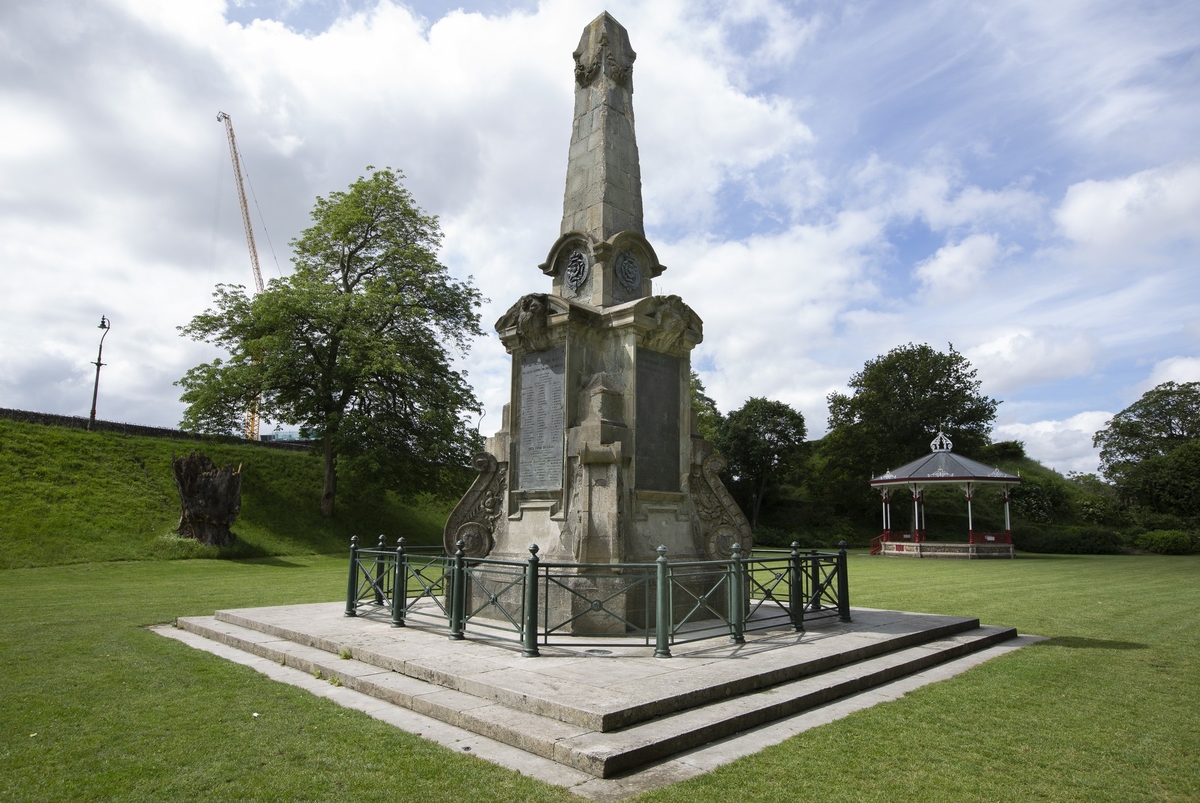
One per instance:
(538,603)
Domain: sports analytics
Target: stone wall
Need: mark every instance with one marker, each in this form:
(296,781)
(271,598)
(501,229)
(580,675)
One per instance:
(933,549)
(80,422)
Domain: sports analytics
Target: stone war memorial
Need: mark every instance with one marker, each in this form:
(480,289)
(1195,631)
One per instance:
(597,460)
(598,616)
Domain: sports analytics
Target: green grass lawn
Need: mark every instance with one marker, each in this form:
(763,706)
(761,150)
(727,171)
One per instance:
(71,496)
(1105,710)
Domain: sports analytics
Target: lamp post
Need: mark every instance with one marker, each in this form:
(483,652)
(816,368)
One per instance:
(96,390)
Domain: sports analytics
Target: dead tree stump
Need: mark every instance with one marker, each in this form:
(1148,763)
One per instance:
(211,498)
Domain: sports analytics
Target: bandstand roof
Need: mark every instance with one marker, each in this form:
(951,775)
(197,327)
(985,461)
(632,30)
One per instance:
(943,466)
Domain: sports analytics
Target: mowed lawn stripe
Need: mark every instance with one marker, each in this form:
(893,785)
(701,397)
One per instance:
(1105,710)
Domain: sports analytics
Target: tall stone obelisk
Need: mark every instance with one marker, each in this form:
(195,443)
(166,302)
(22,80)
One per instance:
(597,460)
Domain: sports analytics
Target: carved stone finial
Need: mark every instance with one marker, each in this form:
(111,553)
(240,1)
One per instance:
(604,50)
(604,180)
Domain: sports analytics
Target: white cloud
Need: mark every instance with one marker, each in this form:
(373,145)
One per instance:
(937,193)
(958,269)
(1022,357)
(1134,215)
(1065,445)
(1172,369)
(801,165)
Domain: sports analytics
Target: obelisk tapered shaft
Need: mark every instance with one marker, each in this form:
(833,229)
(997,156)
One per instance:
(604,181)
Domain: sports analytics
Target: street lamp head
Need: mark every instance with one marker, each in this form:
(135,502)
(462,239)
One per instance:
(103,323)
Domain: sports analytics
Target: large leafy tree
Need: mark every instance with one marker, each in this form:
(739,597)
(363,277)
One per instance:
(1151,449)
(898,402)
(354,346)
(708,418)
(761,441)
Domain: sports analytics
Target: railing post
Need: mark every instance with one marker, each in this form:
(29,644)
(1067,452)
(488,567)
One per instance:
(379,570)
(399,586)
(530,647)
(737,611)
(662,608)
(458,594)
(814,581)
(352,583)
(843,589)
(796,588)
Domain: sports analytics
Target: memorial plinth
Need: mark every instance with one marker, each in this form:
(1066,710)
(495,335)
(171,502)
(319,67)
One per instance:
(597,459)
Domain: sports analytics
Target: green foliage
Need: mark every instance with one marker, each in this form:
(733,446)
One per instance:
(1151,450)
(1163,419)
(354,346)
(1039,499)
(71,496)
(761,440)
(1067,541)
(1000,452)
(899,401)
(1166,542)
(708,418)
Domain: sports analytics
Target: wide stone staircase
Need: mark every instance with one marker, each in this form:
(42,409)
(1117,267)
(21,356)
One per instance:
(603,709)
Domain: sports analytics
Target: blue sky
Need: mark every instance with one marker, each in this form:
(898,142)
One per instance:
(824,181)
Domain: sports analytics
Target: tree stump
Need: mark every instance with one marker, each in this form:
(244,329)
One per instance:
(211,498)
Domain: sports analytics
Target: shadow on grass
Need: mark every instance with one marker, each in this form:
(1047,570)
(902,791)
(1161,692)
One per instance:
(1077,642)
(269,560)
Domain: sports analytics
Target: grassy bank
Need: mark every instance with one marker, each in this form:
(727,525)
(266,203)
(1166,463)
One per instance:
(70,496)
(1105,710)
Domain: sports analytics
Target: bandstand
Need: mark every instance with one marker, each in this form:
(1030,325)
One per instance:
(942,467)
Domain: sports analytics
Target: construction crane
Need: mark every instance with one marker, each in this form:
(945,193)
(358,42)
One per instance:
(251,430)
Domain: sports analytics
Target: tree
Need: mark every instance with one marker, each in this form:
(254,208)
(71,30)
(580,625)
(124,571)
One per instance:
(760,441)
(708,417)
(1151,450)
(354,346)
(899,401)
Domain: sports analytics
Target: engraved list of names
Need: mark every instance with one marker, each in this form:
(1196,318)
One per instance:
(540,455)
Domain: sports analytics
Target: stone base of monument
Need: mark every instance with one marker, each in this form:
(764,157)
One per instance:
(604,708)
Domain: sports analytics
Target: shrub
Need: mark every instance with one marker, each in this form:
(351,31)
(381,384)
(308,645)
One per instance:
(1001,451)
(1165,542)
(1088,541)
(1039,500)
(775,538)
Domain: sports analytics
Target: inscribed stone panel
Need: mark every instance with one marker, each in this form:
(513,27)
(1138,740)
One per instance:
(657,451)
(540,452)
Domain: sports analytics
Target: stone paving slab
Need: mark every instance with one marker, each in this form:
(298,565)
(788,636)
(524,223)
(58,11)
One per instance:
(602,693)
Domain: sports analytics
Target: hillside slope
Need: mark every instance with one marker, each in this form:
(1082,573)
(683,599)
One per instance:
(70,496)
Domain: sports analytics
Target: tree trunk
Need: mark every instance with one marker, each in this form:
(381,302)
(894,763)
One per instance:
(329,491)
(757,503)
(211,498)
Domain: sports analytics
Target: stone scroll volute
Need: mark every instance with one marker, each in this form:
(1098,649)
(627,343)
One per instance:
(721,522)
(473,520)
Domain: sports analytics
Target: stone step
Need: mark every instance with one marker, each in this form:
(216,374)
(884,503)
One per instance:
(459,666)
(591,750)
(608,754)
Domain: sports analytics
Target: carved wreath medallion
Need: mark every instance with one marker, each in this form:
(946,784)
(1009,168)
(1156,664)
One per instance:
(721,541)
(577,270)
(476,539)
(629,273)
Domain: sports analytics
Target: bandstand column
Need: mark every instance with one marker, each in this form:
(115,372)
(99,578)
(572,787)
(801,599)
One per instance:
(916,495)
(970,520)
(1007,520)
(885,493)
